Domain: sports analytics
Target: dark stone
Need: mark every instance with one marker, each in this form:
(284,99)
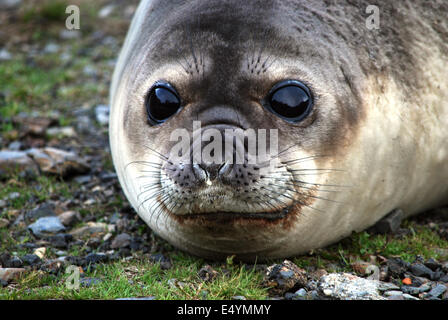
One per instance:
(94,242)
(3,283)
(420,270)
(108,176)
(60,240)
(444,278)
(88,282)
(432,264)
(410,290)
(135,244)
(28,245)
(83,179)
(207,273)
(437,290)
(290,296)
(124,252)
(31,259)
(388,224)
(397,267)
(14,262)
(44,210)
(77,261)
(93,258)
(284,277)
(114,256)
(52,267)
(165,263)
(105,246)
(436,275)
(121,241)
(4,258)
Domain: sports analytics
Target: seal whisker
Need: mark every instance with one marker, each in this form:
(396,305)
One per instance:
(157,165)
(295,200)
(161,156)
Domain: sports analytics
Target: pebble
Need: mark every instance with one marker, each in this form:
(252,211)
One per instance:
(121,241)
(7,274)
(69,218)
(421,270)
(93,258)
(437,290)
(281,278)
(207,273)
(40,252)
(390,223)
(51,48)
(46,225)
(54,266)
(106,11)
(102,114)
(44,210)
(301,293)
(424,287)
(62,131)
(30,259)
(107,236)
(344,286)
(410,290)
(58,162)
(393,293)
(13,262)
(90,229)
(9,4)
(60,240)
(387,286)
(18,159)
(88,282)
(174,283)
(397,267)
(165,263)
(409,297)
(15,146)
(3,223)
(5,55)
(69,34)
(238,298)
(432,264)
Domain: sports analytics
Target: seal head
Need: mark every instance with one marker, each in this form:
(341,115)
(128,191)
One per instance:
(284,77)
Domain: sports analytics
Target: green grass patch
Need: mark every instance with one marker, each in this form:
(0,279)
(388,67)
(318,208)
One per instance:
(139,278)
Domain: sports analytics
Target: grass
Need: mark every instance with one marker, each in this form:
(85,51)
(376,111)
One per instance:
(140,278)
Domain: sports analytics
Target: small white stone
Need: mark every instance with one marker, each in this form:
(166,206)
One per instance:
(40,252)
(327,292)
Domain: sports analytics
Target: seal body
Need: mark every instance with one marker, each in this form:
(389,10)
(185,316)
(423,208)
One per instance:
(375,140)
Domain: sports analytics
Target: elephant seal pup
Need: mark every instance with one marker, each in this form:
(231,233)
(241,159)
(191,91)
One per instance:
(360,119)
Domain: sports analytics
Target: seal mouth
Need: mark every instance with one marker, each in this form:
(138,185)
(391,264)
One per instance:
(225,215)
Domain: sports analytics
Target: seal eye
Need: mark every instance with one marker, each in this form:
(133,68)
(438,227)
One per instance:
(291,100)
(162,102)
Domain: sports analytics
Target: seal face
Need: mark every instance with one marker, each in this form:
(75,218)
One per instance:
(280,127)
